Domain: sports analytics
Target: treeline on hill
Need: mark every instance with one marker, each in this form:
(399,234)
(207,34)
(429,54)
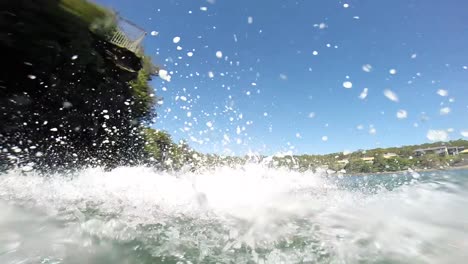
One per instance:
(68,97)
(166,154)
(360,161)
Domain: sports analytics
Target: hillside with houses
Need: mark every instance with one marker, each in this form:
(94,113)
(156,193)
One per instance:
(438,155)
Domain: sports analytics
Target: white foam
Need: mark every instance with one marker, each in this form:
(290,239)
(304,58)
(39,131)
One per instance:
(225,208)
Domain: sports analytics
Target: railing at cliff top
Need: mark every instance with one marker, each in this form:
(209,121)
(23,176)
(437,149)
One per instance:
(128,35)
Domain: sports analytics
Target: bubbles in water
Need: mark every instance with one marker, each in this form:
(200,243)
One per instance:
(315,53)
(392,71)
(32,77)
(219,54)
(154,33)
(345,5)
(250,20)
(325,138)
(74,57)
(189,54)
(204,8)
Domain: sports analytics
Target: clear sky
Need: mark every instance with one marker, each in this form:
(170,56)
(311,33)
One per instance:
(270,92)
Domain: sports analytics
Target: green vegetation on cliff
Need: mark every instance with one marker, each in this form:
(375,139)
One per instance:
(163,153)
(68,97)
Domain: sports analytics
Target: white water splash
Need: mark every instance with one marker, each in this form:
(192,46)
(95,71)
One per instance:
(219,211)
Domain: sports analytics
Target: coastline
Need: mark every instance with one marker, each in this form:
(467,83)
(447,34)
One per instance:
(462,167)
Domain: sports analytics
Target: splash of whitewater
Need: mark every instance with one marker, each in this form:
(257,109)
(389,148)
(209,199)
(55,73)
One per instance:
(231,215)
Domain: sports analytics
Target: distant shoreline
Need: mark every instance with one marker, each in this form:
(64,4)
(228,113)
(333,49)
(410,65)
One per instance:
(462,167)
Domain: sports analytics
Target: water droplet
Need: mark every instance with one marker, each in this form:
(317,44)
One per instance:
(442,92)
(391,95)
(348,85)
(367,68)
(402,114)
(363,94)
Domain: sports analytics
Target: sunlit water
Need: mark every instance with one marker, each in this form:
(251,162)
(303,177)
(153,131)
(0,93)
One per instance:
(251,214)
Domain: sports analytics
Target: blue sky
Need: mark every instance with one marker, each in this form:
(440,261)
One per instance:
(269,93)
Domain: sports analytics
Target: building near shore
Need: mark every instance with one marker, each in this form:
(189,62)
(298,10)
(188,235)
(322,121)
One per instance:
(390,155)
(368,159)
(441,150)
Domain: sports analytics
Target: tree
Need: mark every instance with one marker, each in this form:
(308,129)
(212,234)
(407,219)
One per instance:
(359,166)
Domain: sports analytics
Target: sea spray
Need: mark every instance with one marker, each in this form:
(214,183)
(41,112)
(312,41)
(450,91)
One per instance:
(251,213)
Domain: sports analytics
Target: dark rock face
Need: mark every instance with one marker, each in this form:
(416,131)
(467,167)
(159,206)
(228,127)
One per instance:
(65,97)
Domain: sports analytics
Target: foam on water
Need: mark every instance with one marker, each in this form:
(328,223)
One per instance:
(241,215)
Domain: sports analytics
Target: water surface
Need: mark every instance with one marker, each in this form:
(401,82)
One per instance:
(250,214)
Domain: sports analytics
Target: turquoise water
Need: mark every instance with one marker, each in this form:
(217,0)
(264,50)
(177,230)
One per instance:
(251,214)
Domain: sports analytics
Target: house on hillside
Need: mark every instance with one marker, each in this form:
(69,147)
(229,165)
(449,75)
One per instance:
(442,150)
(390,155)
(368,159)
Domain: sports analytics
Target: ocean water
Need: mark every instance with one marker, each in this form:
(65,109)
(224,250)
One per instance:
(249,214)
